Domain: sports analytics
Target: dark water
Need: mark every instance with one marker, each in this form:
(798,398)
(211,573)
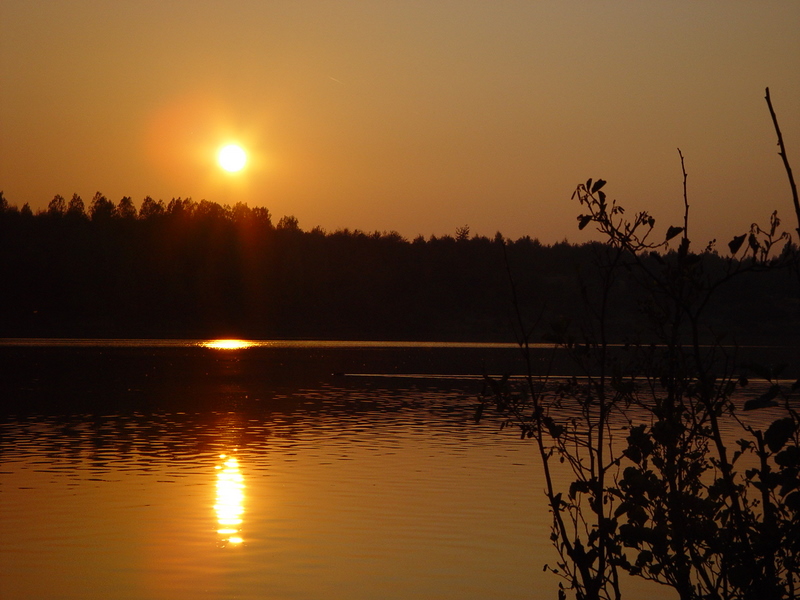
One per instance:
(149,470)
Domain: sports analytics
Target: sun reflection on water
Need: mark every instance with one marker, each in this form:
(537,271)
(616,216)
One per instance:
(227,344)
(230,500)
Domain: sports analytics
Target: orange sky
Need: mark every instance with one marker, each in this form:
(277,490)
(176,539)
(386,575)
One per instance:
(407,115)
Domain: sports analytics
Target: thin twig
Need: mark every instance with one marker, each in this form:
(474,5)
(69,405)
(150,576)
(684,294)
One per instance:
(685,201)
(782,154)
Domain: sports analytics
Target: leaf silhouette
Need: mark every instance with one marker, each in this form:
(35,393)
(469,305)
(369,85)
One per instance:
(779,433)
(736,243)
(672,232)
(584,220)
(766,400)
(598,184)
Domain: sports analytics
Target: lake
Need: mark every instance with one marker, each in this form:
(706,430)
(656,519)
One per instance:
(138,469)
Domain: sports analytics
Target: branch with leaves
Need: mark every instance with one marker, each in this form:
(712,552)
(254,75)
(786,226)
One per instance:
(671,502)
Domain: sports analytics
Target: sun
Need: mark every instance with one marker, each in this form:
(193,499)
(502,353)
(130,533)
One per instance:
(232,158)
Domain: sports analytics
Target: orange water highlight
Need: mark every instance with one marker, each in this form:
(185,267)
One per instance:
(227,344)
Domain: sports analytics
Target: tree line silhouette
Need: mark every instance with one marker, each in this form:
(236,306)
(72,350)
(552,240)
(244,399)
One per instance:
(188,269)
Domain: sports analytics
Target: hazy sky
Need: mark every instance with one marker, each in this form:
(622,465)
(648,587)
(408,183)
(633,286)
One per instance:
(416,116)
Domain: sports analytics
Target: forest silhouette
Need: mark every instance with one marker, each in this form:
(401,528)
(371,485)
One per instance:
(187,269)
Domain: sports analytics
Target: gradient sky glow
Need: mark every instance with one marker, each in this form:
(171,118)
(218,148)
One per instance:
(415,116)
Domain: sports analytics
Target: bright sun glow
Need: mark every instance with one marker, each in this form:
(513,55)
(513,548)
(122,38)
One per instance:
(232,158)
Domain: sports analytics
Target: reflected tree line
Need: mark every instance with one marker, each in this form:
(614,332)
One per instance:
(200,269)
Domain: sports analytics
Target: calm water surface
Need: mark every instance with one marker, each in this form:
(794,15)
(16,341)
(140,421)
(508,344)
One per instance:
(168,470)
(149,470)
(311,503)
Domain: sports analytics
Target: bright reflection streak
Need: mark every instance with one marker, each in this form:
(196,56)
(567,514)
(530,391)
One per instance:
(227,344)
(230,499)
